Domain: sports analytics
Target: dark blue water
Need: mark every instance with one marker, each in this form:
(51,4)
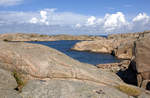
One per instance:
(86,57)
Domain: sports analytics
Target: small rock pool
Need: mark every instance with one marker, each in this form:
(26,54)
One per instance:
(85,57)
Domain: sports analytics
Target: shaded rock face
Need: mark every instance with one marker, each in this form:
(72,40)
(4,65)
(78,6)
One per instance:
(51,74)
(129,75)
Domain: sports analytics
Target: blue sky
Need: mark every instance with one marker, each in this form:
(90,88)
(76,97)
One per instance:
(74,16)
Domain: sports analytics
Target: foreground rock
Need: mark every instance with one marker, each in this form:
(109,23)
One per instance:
(47,73)
(38,37)
(73,89)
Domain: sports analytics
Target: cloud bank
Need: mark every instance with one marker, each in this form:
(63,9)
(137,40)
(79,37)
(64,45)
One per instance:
(51,21)
(10,2)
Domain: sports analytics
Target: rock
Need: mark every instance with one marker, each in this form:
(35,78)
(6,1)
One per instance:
(40,62)
(7,85)
(139,68)
(115,67)
(99,46)
(120,45)
(50,73)
(38,37)
(136,35)
(124,51)
(70,89)
(141,63)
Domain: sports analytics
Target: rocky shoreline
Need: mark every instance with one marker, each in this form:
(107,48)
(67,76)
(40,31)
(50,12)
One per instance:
(119,45)
(40,37)
(123,46)
(36,71)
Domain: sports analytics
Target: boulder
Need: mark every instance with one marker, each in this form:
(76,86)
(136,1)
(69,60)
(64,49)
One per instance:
(142,61)
(43,72)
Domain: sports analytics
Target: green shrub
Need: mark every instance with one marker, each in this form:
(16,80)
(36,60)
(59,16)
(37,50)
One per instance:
(21,81)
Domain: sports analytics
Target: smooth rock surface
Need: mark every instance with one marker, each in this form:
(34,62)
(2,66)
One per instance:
(70,89)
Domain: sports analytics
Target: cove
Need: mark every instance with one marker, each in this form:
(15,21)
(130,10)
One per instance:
(85,57)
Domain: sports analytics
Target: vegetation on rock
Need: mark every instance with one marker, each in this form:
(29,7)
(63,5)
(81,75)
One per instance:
(129,90)
(21,81)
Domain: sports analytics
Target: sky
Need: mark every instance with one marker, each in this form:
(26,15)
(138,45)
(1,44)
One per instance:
(77,17)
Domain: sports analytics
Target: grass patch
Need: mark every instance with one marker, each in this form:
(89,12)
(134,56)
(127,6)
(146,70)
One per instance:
(129,90)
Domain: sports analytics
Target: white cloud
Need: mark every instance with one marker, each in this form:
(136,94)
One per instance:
(10,2)
(91,20)
(78,25)
(114,21)
(52,21)
(43,18)
(99,21)
(142,17)
(34,20)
